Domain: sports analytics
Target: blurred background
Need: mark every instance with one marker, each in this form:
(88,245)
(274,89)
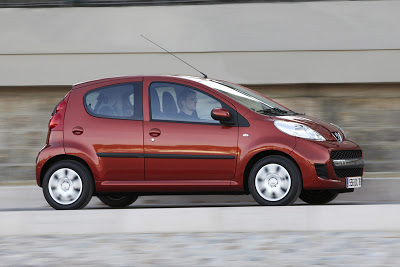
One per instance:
(336,60)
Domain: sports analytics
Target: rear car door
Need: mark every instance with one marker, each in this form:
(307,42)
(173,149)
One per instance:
(104,125)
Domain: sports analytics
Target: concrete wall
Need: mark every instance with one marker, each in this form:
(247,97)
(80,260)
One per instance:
(24,115)
(369,114)
(265,43)
(335,59)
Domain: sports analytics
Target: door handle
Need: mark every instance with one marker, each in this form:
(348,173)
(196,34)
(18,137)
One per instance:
(77,130)
(154,132)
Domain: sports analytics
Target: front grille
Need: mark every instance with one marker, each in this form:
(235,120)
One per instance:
(343,173)
(346,154)
(349,171)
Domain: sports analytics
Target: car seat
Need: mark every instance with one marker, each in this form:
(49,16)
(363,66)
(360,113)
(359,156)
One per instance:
(107,111)
(155,104)
(170,110)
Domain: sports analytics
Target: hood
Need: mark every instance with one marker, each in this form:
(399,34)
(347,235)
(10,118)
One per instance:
(323,127)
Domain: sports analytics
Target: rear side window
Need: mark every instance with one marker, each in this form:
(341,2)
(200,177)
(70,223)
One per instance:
(120,101)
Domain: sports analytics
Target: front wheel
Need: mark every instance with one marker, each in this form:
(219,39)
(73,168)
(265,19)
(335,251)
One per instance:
(275,181)
(118,200)
(318,197)
(67,185)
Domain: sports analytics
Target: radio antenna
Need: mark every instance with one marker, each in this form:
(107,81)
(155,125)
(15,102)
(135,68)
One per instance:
(205,76)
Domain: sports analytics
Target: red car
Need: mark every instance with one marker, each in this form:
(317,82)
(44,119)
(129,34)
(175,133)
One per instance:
(120,138)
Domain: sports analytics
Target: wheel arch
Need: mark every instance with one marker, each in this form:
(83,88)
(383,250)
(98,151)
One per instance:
(61,157)
(259,156)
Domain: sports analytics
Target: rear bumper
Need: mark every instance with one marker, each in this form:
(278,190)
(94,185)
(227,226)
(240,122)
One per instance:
(326,165)
(53,148)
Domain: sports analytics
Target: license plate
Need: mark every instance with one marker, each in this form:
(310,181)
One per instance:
(353,182)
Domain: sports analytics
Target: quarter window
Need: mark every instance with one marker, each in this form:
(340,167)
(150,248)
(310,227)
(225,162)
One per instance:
(120,101)
(175,102)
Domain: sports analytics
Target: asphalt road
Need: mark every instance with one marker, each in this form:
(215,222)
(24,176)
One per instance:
(23,210)
(360,228)
(30,198)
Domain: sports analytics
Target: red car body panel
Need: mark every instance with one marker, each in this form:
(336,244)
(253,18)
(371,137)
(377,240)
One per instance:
(190,140)
(176,157)
(102,135)
(54,146)
(308,153)
(187,139)
(262,136)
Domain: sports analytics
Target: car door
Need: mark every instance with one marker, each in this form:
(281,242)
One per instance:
(186,147)
(108,129)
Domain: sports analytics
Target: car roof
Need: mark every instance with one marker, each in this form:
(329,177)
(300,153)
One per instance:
(183,77)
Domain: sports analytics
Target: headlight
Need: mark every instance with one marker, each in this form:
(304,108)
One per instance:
(298,130)
(339,129)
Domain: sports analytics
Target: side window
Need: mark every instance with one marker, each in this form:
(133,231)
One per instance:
(120,101)
(174,102)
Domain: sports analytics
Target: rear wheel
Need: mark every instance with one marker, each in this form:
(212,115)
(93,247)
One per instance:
(118,200)
(318,197)
(67,185)
(275,181)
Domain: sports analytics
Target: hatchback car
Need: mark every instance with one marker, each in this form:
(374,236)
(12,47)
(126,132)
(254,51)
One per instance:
(120,138)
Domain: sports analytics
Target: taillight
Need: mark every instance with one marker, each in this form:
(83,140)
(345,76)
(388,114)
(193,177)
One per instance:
(61,106)
(54,121)
(57,120)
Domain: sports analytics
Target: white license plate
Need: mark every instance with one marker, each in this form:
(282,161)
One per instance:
(353,182)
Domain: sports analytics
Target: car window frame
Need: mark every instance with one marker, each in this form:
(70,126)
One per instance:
(234,113)
(134,117)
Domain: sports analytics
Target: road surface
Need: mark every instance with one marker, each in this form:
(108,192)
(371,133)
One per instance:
(360,228)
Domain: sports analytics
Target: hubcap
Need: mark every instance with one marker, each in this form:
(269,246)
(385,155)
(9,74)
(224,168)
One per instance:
(65,186)
(273,182)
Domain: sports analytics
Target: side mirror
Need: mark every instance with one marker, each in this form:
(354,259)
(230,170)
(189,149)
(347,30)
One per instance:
(220,114)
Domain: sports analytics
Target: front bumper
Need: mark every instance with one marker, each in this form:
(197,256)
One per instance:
(348,163)
(326,165)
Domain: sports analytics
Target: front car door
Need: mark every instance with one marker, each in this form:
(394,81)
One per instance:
(189,146)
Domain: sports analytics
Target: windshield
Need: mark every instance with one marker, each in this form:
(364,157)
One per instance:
(247,98)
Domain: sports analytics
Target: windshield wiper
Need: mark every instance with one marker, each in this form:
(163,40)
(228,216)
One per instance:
(274,111)
(277,111)
(296,113)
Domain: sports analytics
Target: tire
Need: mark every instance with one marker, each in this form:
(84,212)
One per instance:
(275,181)
(67,185)
(318,197)
(118,200)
